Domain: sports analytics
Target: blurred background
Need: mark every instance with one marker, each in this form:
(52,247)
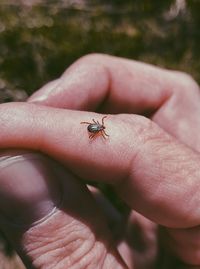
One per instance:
(39,39)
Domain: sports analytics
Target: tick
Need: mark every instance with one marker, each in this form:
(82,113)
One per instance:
(95,128)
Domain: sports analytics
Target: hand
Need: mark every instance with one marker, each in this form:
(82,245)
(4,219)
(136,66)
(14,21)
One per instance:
(151,163)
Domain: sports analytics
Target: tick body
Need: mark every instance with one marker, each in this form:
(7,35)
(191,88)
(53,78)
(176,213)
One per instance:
(94,128)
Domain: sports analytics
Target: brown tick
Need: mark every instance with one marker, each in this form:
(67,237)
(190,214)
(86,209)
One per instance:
(95,128)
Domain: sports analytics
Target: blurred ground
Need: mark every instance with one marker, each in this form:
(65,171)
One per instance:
(40,39)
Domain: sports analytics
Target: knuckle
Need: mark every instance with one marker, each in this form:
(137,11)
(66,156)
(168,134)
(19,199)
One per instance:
(90,58)
(144,128)
(187,82)
(148,137)
(186,77)
(91,64)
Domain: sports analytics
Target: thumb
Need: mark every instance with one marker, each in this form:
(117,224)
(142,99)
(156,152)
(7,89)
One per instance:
(50,221)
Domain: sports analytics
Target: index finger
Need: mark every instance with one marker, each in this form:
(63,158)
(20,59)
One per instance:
(114,85)
(154,174)
(110,84)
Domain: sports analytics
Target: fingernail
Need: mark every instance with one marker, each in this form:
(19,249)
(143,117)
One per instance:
(29,190)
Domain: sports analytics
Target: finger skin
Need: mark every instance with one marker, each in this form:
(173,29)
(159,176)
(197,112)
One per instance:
(123,85)
(66,237)
(110,84)
(128,86)
(151,171)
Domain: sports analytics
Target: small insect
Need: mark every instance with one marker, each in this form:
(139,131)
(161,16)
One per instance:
(95,128)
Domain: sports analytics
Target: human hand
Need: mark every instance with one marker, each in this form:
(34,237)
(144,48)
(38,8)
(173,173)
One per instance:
(152,164)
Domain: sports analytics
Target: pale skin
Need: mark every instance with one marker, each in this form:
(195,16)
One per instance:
(151,159)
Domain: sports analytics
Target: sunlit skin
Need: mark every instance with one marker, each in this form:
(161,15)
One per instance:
(152,164)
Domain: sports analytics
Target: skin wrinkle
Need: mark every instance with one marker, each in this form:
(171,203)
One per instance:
(48,242)
(91,257)
(172,186)
(69,151)
(56,254)
(146,135)
(72,262)
(70,229)
(176,78)
(58,244)
(50,249)
(88,256)
(69,260)
(163,128)
(168,185)
(138,133)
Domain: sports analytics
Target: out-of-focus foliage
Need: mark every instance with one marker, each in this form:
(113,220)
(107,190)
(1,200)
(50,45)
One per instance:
(40,39)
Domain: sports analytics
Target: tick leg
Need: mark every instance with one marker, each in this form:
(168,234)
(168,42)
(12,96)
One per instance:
(94,121)
(103,120)
(105,133)
(85,122)
(92,136)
